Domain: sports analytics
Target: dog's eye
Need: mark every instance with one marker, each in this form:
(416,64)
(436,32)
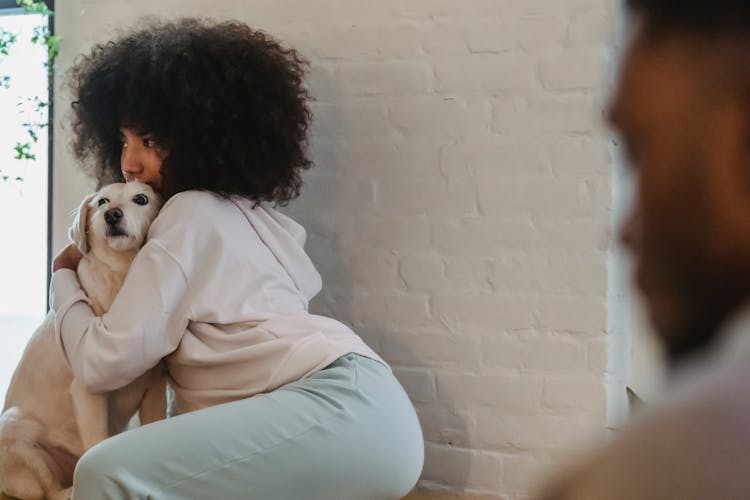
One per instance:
(102,201)
(140,199)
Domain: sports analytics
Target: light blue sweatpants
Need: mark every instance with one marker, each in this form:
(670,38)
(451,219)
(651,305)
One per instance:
(349,432)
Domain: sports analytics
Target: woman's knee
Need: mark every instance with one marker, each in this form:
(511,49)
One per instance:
(95,473)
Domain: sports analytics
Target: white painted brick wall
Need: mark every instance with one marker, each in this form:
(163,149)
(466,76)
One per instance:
(458,211)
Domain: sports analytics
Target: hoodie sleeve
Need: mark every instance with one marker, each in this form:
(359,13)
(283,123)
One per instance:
(145,323)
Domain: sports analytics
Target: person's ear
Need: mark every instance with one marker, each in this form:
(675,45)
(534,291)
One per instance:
(737,153)
(742,162)
(723,142)
(731,137)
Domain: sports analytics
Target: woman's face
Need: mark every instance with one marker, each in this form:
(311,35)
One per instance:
(141,158)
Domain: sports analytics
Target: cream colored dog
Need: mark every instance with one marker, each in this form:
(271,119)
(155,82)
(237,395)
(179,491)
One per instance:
(49,420)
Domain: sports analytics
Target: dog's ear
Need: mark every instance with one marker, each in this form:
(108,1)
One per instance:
(77,231)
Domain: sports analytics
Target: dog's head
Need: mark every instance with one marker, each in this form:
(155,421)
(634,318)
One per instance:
(117,217)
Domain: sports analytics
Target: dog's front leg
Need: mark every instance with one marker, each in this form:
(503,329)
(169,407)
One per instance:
(91,414)
(154,404)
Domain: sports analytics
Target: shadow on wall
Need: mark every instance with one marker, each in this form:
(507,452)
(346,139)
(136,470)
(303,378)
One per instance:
(369,236)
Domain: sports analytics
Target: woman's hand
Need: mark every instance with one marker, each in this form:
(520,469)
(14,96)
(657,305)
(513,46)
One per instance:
(68,258)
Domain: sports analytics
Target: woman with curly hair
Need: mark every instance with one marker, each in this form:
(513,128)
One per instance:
(272,402)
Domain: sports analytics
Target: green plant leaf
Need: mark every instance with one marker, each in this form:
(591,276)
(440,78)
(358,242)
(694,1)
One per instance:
(23,152)
(32,7)
(7,39)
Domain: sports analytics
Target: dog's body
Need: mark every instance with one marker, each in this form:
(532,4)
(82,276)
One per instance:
(49,419)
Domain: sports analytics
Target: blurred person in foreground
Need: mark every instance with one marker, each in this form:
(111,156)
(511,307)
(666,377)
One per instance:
(682,109)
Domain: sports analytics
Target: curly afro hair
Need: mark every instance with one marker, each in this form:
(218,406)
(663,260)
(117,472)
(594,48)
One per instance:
(226,102)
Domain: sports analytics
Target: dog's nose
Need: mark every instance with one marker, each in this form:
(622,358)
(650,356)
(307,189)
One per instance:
(113,215)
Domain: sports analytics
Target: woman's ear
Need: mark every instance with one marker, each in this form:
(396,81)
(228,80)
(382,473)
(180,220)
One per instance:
(724,148)
(78,231)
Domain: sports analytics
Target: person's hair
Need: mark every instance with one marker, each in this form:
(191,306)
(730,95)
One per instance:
(695,17)
(226,102)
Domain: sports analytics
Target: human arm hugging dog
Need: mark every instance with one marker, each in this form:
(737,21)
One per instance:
(68,258)
(143,325)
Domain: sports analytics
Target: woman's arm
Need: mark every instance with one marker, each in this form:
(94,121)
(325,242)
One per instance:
(145,323)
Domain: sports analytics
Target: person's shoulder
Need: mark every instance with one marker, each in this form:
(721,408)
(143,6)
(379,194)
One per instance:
(195,205)
(193,201)
(189,211)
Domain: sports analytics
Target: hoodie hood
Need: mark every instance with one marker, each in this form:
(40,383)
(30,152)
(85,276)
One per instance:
(286,240)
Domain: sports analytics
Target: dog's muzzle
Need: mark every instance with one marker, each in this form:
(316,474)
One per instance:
(112,217)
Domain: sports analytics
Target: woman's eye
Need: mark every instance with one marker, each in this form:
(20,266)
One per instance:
(102,201)
(149,142)
(140,199)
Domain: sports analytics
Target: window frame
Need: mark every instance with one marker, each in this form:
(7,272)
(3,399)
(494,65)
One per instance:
(10,7)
